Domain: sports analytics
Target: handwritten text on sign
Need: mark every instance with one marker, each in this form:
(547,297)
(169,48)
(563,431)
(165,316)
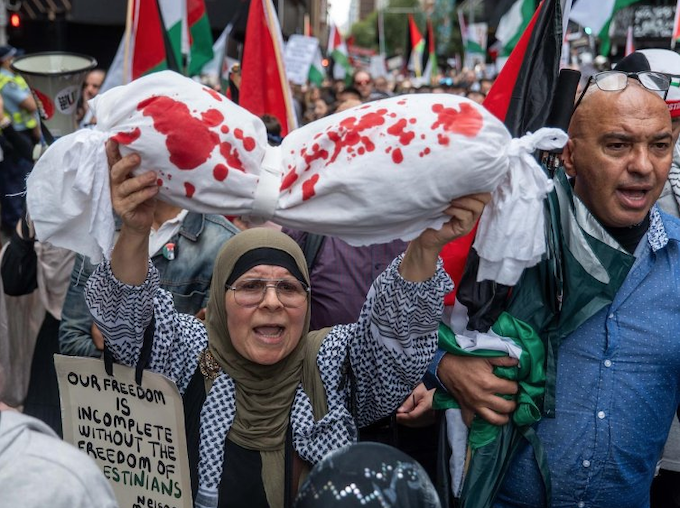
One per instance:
(135,433)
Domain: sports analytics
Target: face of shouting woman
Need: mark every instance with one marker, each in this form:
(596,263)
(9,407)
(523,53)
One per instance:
(268,331)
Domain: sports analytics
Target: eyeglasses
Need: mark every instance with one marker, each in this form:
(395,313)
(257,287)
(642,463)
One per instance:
(363,82)
(250,292)
(613,81)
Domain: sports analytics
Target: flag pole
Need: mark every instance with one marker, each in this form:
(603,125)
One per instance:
(128,36)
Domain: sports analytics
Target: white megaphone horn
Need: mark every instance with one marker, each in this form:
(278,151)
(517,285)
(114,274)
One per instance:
(56,80)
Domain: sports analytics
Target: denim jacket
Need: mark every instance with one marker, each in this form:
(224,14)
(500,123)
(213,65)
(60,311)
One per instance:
(187,277)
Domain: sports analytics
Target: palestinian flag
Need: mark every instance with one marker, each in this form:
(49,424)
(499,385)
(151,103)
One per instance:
(200,37)
(264,85)
(146,43)
(430,57)
(317,73)
(513,24)
(337,51)
(676,26)
(598,17)
(415,47)
(174,15)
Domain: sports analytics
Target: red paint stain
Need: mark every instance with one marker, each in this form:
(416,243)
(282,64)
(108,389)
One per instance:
(190,189)
(169,177)
(212,117)
(443,140)
(427,150)
(468,121)
(172,118)
(248,142)
(422,136)
(159,182)
(317,153)
(349,132)
(389,149)
(125,138)
(361,150)
(220,172)
(397,156)
(308,187)
(289,180)
(398,130)
(401,102)
(225,129)
(231,156)
(214,94)
(411,120)
(368,144)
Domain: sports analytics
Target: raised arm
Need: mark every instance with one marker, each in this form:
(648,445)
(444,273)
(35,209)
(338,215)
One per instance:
(132,199)
(391,345)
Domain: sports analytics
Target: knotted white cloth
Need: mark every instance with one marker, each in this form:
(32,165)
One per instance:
(384,170)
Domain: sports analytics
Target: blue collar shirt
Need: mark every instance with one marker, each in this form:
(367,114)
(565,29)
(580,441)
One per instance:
(617,391)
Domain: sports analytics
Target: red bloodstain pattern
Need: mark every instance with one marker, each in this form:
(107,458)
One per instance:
(214,94)
(190,189)
(348,134)
(397,156)
(172,118)
(468,121)
(159,182)
(220,172)
(225,129)
(248,142)
(289,180)
(443,140)
(231,156)
(317,153)
(398,130)
(125,138)
(308,187)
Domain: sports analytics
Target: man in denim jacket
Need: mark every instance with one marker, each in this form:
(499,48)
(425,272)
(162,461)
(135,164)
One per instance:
(184,245)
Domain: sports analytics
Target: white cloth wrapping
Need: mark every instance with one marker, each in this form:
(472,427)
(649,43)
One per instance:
(384,170)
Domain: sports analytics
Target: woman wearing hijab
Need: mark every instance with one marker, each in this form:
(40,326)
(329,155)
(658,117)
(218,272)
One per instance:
(279,398)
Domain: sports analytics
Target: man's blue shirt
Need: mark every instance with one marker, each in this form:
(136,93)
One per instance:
(617,391)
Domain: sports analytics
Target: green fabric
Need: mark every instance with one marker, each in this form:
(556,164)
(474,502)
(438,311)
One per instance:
(605,41)
(580,275)
(529,374)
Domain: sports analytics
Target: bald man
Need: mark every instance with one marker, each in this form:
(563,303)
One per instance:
(618,374)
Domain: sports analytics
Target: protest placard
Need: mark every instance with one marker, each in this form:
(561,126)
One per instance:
(134,432)
(299,55)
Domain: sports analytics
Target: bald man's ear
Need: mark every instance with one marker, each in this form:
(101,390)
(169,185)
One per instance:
(568,158)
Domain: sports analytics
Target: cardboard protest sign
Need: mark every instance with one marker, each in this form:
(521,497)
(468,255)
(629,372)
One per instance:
(134,432)
(299,55)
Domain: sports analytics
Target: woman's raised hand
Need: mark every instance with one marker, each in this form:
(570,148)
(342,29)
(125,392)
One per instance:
(132,196)
(420,261)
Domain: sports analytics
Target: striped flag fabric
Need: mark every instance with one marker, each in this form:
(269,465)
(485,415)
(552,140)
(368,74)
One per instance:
(676,26)
(630,44)
(598,17)
(429,56)
(264,85)
(415,48)
(317,72)
(337,50)
(199,37)
(146,46)
(513,23)
(174,15)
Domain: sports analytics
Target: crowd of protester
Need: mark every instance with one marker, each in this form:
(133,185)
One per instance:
(168,261)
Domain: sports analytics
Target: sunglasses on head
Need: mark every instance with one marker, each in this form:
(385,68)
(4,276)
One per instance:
(614,81)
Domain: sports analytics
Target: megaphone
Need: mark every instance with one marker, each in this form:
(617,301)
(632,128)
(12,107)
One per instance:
(56,79)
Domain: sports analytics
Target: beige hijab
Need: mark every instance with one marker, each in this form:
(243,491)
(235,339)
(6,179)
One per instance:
(264,393)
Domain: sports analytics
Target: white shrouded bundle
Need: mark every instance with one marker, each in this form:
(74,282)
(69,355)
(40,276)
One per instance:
(384,170)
